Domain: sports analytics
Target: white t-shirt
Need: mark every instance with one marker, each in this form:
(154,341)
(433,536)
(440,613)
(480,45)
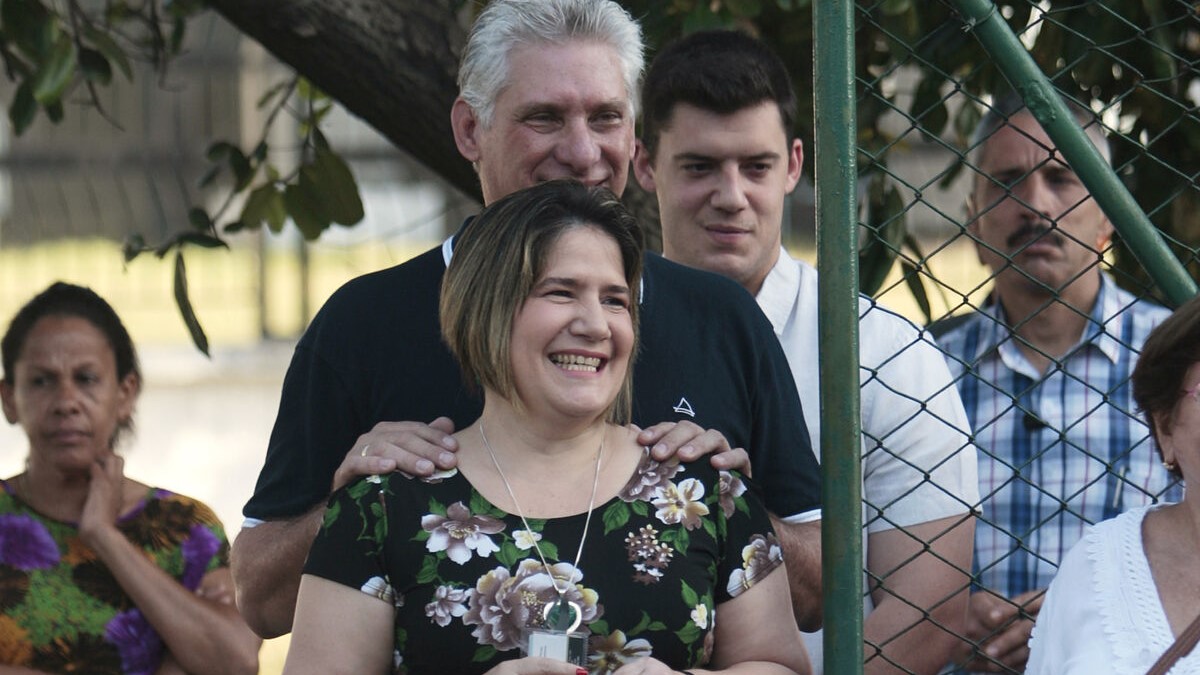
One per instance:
(913,420)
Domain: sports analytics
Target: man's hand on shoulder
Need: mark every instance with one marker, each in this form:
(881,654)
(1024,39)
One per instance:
(412,447)
(689,442)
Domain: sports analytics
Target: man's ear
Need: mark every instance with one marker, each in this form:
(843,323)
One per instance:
(6,399)
(795,164)
(643,167)
(467,128)
(1105,235)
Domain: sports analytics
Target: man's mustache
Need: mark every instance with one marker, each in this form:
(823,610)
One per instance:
(1032,232)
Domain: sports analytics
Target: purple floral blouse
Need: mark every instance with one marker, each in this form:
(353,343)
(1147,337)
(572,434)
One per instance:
(465,581)
(61,611)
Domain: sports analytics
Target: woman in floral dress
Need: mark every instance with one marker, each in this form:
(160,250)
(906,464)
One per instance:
(554,512)
(99,573)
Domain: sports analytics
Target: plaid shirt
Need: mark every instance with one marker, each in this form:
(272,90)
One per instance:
(1057,451)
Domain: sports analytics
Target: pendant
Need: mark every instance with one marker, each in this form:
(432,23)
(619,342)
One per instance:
(557,639)
(563,615)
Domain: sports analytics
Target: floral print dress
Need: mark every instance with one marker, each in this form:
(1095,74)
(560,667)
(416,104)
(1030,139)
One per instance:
(466,581)
(61,610)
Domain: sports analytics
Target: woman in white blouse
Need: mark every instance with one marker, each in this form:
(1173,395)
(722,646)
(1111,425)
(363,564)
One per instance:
(1131,586)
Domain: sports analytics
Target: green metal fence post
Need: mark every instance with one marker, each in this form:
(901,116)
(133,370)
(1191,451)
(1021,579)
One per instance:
(837,256)
(1109,192)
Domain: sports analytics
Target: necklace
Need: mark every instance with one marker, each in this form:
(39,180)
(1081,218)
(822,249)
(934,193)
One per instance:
(559,615)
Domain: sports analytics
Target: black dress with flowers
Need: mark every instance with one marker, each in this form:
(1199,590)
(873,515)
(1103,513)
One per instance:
(676,542)
(61,610)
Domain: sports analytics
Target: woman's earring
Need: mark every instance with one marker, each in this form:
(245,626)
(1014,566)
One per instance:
(1170,466)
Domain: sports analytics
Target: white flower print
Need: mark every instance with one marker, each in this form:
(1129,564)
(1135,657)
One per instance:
(447,603)
(681,503)
(458,533)
(526,539)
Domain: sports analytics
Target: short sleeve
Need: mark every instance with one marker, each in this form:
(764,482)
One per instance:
(316,412)
(349,547)
(750,549)
(208,529)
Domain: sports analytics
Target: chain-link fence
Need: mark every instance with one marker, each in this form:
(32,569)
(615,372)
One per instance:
(969,178)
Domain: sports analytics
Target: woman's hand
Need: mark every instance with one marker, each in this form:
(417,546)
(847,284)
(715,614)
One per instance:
(105,498)
(537,665)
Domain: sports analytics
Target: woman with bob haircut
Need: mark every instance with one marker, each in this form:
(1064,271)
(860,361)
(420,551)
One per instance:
(1127,595)
(557,546)
(100,573)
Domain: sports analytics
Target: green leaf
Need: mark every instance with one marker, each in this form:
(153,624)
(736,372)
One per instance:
(219,151)
(915,284)
(689,634)
(478,504)
(210,175)
(30,26)
(271,93)
(641,626)
(338,189)
(689,595)
(331,514)
(484,654)
(95,66)
(55,73)
(428,573)
(199,219)
(548,549)
(202,240)
(185,306)
(358,488)
(508,554)
(304,206)
(104,43)
(134,245)
(966,119)
(615,516)
(885,219)
(243,173)
(23,109)
(928,105)
(54,111)
(265,204)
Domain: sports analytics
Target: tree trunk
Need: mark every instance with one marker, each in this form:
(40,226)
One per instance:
(392,63)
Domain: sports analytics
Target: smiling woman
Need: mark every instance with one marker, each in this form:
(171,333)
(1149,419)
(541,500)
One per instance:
(558,545)
(102,573)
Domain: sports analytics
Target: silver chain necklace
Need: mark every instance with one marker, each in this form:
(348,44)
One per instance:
(561,610)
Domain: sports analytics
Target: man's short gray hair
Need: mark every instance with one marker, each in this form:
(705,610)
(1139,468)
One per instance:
(506,24)
(1011,104)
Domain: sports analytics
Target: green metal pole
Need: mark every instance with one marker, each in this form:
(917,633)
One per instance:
(837,301)
(1042,100)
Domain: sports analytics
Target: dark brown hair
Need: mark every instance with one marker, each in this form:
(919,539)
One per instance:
(1170,350)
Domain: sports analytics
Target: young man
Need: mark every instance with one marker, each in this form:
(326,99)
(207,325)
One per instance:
(1044,371)
(547,91)
(718,150)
